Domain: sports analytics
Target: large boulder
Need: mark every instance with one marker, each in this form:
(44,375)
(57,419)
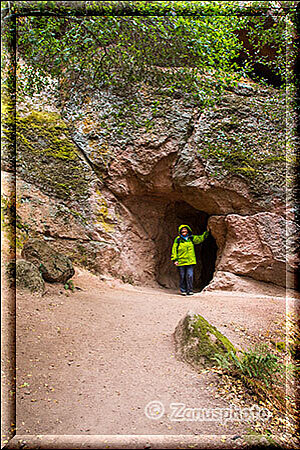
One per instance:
(253,246)
(26,275)
(197,341)
(54,266)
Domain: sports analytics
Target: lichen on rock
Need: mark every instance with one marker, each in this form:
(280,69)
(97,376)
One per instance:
(54,266)
(47,157)
(26,276)
(245,136)
(197,341)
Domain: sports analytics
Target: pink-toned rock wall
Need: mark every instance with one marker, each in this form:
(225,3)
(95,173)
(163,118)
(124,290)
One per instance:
(112,200)
(253,246)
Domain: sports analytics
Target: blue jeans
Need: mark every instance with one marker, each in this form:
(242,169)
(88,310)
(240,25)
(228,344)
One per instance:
(186,274)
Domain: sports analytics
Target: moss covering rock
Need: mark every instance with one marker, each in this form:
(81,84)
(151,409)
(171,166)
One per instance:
(26,276)
(197,341)
(48,158)
(246,135)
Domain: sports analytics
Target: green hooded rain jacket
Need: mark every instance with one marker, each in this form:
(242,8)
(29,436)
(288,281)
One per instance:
(184,251)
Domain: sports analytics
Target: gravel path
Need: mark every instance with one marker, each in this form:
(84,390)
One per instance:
(89,362)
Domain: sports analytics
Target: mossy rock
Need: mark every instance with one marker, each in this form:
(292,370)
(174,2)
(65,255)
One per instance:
(245,136)
(54,266)
(26,276)
(48,158)
(197,341)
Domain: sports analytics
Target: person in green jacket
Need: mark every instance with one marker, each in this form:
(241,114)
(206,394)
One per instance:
(183,256)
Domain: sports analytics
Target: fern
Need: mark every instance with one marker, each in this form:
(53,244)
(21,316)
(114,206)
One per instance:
(258,364)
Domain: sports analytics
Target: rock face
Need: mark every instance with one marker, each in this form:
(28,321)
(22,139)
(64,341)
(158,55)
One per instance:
(252,246)
(197,342)
(109,181)
(53,266)
(26,275)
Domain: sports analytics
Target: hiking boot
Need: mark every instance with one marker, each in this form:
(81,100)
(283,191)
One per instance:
(190,293)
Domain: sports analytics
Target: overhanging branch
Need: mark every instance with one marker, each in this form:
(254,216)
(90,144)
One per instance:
(130,8)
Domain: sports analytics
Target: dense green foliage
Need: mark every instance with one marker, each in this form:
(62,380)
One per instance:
(122,51)
(197,52)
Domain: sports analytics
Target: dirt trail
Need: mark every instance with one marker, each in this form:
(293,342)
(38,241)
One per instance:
(89,362)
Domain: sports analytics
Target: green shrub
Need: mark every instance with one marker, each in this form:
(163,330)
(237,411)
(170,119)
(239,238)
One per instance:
(259,364)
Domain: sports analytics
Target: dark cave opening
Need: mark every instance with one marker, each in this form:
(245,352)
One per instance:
(176,214)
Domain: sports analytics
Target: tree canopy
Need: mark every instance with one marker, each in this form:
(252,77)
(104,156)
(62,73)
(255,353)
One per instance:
(193,46)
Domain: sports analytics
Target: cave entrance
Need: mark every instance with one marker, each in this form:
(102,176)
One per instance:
(176,214)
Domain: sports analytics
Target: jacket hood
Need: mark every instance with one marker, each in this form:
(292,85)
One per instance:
(184,226)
